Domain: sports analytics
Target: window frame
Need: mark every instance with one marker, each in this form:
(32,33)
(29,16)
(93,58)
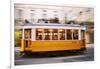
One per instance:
(54,34)
(29,32)
(41,34)
(46,33)
(75,34)
(62,32)
(51,35)
(67,34)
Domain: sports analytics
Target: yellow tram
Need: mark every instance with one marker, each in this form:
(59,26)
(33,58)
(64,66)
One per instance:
(44,37)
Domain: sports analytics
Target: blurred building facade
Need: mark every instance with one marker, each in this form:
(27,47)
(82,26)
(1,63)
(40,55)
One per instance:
(36,13)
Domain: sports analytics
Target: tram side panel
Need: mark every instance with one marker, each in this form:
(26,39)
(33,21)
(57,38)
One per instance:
(38,46)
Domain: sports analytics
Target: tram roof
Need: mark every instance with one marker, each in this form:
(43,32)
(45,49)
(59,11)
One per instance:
(51,24)
(32,25)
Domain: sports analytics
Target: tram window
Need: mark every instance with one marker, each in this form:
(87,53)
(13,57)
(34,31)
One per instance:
(75,34)
(62,34)
(55,34)
(46,34)
(69,34)
(27,33)
(39,34)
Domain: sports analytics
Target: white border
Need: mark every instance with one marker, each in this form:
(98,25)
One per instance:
(12,35)
(75,3)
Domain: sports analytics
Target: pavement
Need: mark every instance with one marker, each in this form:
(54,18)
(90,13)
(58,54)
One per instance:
(87,56)
(89,45)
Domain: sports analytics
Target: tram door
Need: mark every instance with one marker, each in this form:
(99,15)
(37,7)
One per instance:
(83,36)
(27,34)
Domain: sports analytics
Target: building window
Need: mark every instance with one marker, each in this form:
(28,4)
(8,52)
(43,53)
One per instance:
(55,34)
(62,34)
(32,10)
(47,34)
(55,11)
(69,34)
(39,35)
(44,10)
(75,34)
(27,33)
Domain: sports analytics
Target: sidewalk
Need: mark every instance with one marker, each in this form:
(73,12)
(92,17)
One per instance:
(89,45)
